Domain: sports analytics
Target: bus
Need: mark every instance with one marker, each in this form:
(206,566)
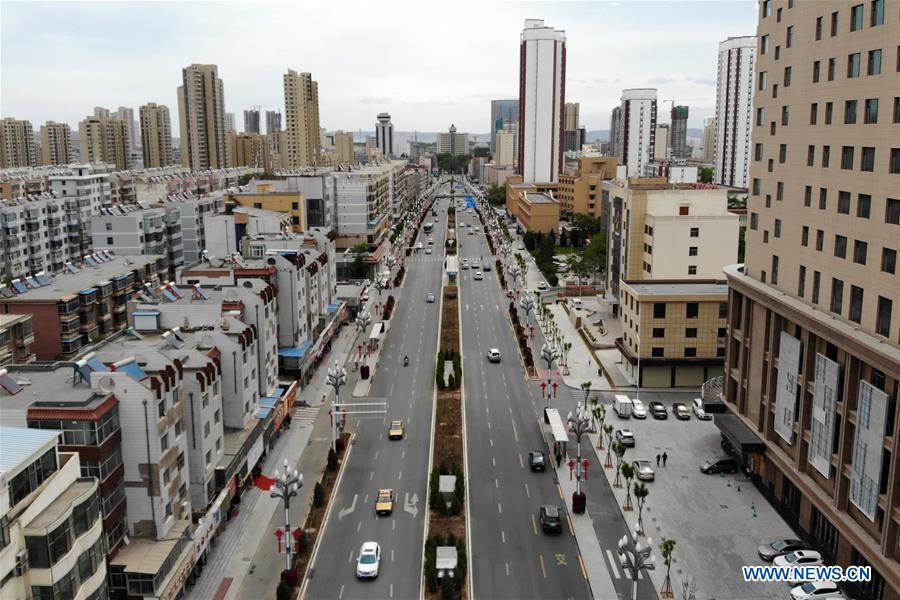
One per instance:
(427,227)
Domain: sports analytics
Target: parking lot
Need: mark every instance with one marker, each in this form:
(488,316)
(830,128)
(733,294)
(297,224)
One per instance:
(717,521)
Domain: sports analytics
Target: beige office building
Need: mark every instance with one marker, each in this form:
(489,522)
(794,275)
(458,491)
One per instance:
(156,135)
(301,107)
(201,115)
(813,365)
(250,150)
(105,140)
(343,147)
(505,148)
(16,144)
(56,143)
(709,139)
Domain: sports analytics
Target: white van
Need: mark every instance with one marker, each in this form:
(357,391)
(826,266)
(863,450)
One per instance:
(576,303)
(622,406)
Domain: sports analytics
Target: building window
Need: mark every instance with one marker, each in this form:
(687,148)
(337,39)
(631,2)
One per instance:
(764,44)
(856,17)
(656,352)
(659,310)
(723,310)
(853,65)
(837,295)
(863,206)
(801,281)
(844,203)
(763,80)
(829,111)
(895,161)
(692,269)
(810,155)
(867,159)
(774,270)
(888,260)
(756,186)
(109,241)
(757,152)
(897,105)
(782,153)
(164,441)
(883,318)
(789,37)
(832,68)
(690,352)
(684,211)
(804,236)
(860,249)
(721,333)
(819,28)
(820,240)
(813,113)
(817,280)
(754,221)
(850,112)
(817,67)
(892,212)
(720,352)
(871,112)
(765,236)
(695,232)
(766,8)
(109,226)
(787,77)
(874,65)
(856,304)
(834,24)
(785,115)
(807,196)
(847,157)
(692,310)
(690,332)
(777,228)
(692,251)
(760,116)
(840,246)
(877,13)
(826,156)
(823,198)
(659,332)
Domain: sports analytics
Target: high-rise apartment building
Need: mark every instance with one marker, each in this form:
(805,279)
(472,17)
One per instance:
(105,140)
(229,123)
(16,144)
(736,83)
(201,114)
(56,143)
(301,107)
(250,150)
(678,132)
(126,114)
(384,134)
(251,120)
(343,147)
(504,148)
(572,116)
(156,135)
(615,142)
(452,142)
(812,371)
(709,139)
(503,114)
(273,121)
(574,134)
(661,142)
(101,112)
(636,129)
(542,96)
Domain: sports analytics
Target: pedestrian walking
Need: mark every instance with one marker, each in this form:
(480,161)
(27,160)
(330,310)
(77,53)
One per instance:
(665,458)
(657,459)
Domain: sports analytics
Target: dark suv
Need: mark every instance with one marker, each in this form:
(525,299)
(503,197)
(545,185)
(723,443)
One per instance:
(719,464)
(536,460)
(658,410)
(551,521)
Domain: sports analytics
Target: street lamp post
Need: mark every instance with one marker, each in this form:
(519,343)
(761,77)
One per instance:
(549,354)
(286,486)
(337,377)
(362,323)
(528,304)
(635,556)
(580,423)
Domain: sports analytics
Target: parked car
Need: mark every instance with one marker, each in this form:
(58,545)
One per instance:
(625,437)
(431,242)
(719,464)
(681,411)
(816,590)
(368,561)
(798,558)
(638,410)
(536,460)
(622,406)
(429,297)
(542,285)
(493,355)
(464,265)
(658,410)
(699,411)
(643,470)
(384,502)
(774,549)
(550,518)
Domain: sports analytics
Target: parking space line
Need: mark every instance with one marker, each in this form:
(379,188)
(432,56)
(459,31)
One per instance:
(612,564)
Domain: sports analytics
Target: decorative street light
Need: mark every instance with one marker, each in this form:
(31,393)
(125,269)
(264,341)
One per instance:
(390,261)
(580,424)
(514,272)
(549,354)
(380,285)
(635,557)
(362,323)
(337,377)
(286,486)
(528,304)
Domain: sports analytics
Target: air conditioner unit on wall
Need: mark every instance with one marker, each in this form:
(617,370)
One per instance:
(21,563)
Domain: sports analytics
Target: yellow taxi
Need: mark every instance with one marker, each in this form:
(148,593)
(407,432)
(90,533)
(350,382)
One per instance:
(395,431)
(384,502)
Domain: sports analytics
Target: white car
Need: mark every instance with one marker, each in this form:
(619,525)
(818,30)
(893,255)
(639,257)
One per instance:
(493,355)
(799,558)
(368,561)
(815,590)
(478,276)
(428,250)
(542,285)
(699,411)
(638,410)
(419,246)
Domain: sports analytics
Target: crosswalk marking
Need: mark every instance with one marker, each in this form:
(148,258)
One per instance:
(613,564)
(305,414)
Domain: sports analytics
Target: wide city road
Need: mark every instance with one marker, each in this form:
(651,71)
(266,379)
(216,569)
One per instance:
(376,462)
(511,557)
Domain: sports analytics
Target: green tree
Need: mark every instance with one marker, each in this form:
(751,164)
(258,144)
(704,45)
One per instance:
(628,474)
(358,266)
(318,494)
(284,591)
(706,175)
(667,549)
(640,495)
(496,195)
(608,434)
(619,450)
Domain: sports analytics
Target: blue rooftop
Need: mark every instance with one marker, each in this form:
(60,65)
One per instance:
(268,402)
(295,352)
(18,444)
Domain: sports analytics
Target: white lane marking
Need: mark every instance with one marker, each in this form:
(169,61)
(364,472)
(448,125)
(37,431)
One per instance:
(494,461)
(371,475)
(376,454)
(367,499)
(393,525)
(521,463)
(392,555)
(489,424)
(503,536)
(403,454)
(492,442)
(612,564)
(515,431)
(497,484)
(392,590)
(341,594)
(400,476)
(507,573)
(359,526)
(527,492)
(499,508)
(350,558)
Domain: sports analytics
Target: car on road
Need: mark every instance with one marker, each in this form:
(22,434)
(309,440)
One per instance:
(428,250)
(542,285)
(537,460)
(464,264)
(429,297)
(625,437)
(478,276)
(475,264)
(419,246)
(486,266)
(643,470)
(493,355)
(681,411)
(550,518)
(395,431)
(520,247)
(638,410)
(774,549)
(384,502)
(699,411)
(368,561)
(816,590)
(719,464)
(431,242)
(658,410)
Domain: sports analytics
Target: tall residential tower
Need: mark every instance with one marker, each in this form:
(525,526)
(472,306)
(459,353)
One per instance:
(384,134)
(201,112)
(636,129)
(734,110)
(156,135)
(301,107)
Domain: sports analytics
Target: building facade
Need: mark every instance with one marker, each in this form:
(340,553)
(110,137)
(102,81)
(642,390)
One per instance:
(16,144)
(384,135)
(105,140)
(709,140)
(126,114)
(201,118)
(156,135)
(273,121)
(636,129)
(251,121)
(678,132)
(542,96)
(581,187)
(504,113)
(454,143)
(301,107)
(813,363)
(56,143)
(615,140)
(735,89)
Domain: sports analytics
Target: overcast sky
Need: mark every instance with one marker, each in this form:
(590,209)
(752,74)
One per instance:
(428,63)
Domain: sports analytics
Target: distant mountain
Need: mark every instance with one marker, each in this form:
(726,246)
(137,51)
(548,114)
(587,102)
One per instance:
(429,137)
(603,134)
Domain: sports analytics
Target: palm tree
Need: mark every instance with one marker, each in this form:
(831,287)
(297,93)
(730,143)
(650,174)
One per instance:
(640,495)
(608,432)
(619,450)
(628,474)
(667,549)
(599,412)
(585,387)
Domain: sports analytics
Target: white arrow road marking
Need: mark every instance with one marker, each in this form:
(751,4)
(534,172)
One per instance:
(346,511)
(409,504)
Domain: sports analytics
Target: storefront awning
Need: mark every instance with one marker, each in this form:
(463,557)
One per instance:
(741,437)
(296,351)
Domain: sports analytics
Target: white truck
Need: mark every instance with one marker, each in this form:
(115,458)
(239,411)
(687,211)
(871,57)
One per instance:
(622,406)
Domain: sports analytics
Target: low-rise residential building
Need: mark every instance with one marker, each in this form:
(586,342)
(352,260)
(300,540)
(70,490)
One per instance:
(130,230)
(364,203)
(533,205)
(16,339)
(195,210)
(581,185)
(673,171)
(677,328)
(80,305)
(52,534)
(223,233)
(273,195)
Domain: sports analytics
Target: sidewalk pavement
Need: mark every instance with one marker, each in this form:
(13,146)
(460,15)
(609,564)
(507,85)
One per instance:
(582,526)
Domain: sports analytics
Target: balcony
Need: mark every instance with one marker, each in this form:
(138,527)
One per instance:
(26,340)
